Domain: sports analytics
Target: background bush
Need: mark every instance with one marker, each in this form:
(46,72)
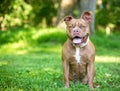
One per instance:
(43,13)
(23,12)
(107,14)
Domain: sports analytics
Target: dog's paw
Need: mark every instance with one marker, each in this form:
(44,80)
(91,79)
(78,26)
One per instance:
(67,86)
(91,87)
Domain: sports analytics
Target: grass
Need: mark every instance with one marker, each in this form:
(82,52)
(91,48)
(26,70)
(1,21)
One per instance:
(30,60)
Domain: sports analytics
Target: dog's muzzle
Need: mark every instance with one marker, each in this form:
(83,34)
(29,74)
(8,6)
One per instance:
(78,40)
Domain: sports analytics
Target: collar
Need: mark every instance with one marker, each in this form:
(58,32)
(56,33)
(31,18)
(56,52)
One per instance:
(84,43)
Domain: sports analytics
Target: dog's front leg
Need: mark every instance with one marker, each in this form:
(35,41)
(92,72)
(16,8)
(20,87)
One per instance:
(65,65)
(91,72)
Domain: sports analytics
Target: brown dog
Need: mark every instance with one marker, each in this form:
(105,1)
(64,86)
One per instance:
(78,52)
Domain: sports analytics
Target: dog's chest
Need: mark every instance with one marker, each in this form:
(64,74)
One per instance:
(77,55)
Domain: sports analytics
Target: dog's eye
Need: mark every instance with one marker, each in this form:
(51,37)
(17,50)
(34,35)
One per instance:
(70,26)
(82,27)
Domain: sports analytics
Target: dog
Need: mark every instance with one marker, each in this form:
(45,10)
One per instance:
(78,52)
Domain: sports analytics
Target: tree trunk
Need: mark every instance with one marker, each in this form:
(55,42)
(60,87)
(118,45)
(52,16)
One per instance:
(88,5)
(66,7)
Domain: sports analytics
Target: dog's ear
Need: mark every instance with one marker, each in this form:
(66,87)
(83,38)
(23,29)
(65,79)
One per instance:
(67,19)
(87,16)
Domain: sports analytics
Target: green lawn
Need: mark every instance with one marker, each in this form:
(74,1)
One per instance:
(30,60)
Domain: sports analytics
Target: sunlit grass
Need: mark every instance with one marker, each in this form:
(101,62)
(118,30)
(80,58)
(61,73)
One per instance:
(43,32)
(16,48)
(3,63)
(108,59)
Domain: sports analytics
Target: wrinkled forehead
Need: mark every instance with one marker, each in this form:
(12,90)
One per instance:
(77,22)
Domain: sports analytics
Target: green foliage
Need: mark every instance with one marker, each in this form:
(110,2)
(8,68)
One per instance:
(5,6)
(107,14)
(32,35)
(24,12)
(18,15)
(43,13)
(30,59)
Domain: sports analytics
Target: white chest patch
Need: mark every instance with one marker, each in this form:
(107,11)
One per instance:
(77,54)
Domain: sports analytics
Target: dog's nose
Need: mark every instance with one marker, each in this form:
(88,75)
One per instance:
(76,31)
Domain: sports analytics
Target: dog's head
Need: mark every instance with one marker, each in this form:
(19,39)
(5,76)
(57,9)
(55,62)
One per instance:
(78,29)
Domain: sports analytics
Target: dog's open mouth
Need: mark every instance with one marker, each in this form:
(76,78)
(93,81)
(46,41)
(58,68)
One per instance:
(77,40)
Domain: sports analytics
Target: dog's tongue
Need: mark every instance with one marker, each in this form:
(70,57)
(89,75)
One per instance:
(77,40)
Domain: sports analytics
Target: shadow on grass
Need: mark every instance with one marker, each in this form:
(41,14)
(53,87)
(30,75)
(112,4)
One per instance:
(24,39)
(32,35)
(21,41)
(106,45)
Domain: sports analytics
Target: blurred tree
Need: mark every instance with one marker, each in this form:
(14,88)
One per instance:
(65,8)
(88,5)
(76,7)
(5,6)
(43,13)
(107,15)
(16,12)
(23,12)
